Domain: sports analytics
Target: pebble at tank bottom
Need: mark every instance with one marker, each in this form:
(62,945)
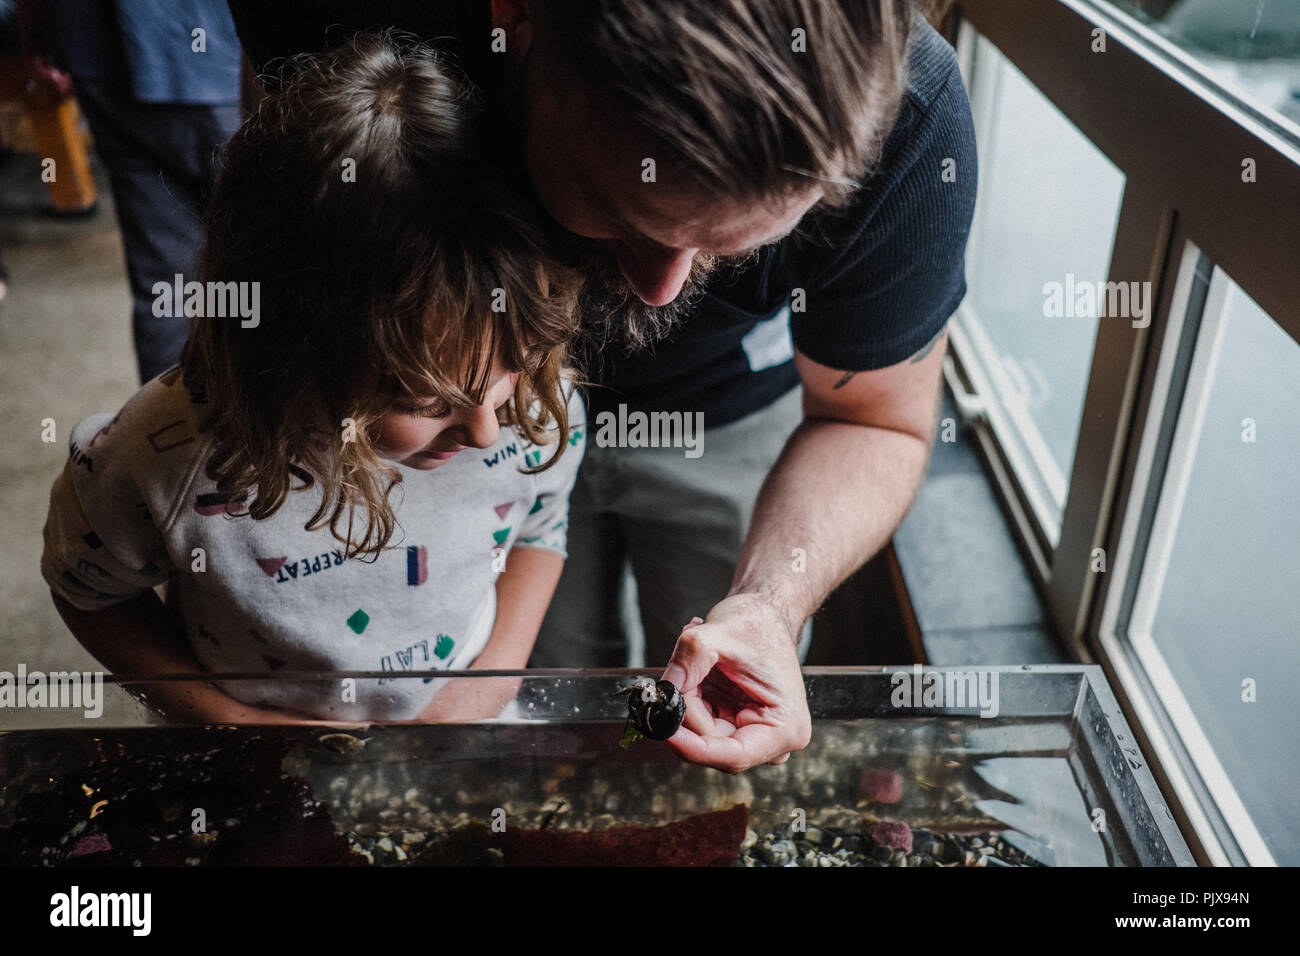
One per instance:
(869,796)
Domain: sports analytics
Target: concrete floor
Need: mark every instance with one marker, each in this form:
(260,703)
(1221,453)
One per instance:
(65,353)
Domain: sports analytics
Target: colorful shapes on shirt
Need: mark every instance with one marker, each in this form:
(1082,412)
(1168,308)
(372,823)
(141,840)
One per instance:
(359,620)
(503,510)
(442,649)
(417,565)
(105,430)
(175,439)
(273,662)
(500,536)
(537,506)
(271,565)
(212,503)
(534,458)
(575,437)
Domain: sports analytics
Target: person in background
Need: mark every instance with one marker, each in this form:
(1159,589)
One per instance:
(159,84)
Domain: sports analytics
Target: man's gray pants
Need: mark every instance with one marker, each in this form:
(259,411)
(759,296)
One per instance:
(679,524)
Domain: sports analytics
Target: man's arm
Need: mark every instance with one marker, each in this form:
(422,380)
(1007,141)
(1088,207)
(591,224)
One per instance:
(839,490)
(844,481)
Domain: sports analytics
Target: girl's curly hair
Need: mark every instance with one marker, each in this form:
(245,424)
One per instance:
(385,245)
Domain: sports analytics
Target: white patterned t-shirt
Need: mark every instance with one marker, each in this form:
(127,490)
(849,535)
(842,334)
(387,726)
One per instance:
(133,509)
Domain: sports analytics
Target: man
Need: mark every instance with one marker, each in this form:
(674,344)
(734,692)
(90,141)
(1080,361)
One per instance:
(819,157)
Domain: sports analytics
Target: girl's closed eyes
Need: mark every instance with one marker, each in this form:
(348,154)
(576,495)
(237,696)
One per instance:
(424,435)
(435,410)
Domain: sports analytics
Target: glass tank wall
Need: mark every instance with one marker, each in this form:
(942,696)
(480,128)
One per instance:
(1002,766)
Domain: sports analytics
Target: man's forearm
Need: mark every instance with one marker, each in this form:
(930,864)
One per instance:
(831,501)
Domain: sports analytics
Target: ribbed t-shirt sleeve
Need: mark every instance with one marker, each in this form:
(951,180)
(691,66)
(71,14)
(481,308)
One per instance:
(102,546)
(901,272)
(547,523)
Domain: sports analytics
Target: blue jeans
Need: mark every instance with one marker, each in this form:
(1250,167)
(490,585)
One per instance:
(161,160)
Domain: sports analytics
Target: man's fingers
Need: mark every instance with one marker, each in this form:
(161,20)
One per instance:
(747,747)
(692,659)
(738,704)
(721,693)
(701,719)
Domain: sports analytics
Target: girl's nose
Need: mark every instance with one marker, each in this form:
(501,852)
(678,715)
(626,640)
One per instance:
(478,426)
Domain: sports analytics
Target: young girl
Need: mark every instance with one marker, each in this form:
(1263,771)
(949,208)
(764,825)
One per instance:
(349,470)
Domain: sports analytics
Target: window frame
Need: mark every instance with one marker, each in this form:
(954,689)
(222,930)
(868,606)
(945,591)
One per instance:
(1142,102)
(1014,436)
(1185,373)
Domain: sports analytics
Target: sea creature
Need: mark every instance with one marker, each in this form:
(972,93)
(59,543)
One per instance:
(343,743)
(654,710)
(894,834)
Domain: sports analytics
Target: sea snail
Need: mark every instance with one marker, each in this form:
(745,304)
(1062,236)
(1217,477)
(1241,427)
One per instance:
(654,709)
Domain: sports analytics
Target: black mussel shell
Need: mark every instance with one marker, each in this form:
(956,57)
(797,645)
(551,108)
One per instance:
(657,719)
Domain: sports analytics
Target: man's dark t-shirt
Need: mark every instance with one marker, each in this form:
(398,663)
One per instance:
(859,288)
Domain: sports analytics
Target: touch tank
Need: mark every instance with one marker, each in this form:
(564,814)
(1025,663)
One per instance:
(1049,776)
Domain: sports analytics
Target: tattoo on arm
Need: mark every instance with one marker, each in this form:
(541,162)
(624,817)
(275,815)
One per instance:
(848,376)
(926,351)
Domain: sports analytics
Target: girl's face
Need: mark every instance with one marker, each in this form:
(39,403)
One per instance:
(426,435)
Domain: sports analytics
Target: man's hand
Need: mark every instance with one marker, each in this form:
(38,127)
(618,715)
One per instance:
(840,487)
(745,699)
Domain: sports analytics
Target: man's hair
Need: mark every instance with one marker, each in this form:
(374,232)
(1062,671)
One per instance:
(385,244)
(756,98)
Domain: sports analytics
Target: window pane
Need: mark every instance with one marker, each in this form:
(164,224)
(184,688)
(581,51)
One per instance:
(1228,607)
(1251,48)
(1048,208)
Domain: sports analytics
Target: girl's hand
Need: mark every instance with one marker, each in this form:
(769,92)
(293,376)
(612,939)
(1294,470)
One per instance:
(207,705)
(471,698)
